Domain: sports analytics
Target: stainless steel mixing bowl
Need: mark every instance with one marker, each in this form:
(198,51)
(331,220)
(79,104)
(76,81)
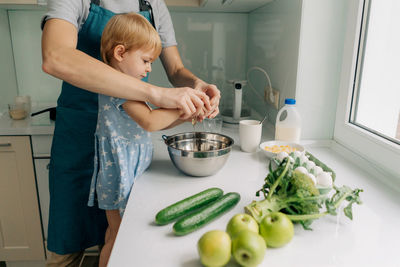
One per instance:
(198,153)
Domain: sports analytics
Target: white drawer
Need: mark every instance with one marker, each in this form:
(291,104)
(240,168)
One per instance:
(41,145)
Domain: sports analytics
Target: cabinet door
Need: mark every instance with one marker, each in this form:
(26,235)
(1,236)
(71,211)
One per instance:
(42,179)
(19,2)
(20,229)
(185,3)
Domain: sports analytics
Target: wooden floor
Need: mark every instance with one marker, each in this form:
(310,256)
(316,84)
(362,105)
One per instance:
(91,261)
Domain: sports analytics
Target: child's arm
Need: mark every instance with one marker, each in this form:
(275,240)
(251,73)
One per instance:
(151,120)
(180,121)
(175,123)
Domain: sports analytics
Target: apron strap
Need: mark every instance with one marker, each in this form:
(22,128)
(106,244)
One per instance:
(96,2)
(145,6)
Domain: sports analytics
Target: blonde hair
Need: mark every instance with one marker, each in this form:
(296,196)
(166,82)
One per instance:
(132,31)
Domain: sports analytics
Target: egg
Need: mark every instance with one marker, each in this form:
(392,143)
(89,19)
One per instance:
(324,179)
(309,165)
(301,170)
(312,177)
(317,170)
(303,159)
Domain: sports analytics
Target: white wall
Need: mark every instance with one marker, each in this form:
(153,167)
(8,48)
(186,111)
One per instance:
(212,45)
(320,53)
(8,83)
(273,38)
(26,39)
(298,42)
(205,41)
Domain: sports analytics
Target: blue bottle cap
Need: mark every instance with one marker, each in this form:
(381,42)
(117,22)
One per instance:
(290,101)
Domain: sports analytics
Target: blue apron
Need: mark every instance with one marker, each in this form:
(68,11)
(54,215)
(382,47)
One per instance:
(73,226)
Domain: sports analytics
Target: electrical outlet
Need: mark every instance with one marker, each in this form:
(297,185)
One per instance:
(271,95)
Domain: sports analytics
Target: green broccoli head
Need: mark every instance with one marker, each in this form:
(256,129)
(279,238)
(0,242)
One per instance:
(302,185)
(302,195)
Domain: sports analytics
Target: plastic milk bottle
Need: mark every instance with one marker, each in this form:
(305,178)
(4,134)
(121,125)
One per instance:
(288,123)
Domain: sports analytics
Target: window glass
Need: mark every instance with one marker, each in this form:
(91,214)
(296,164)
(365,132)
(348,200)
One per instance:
(376,99)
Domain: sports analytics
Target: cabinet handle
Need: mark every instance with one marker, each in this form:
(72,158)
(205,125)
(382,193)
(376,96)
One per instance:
(5,144)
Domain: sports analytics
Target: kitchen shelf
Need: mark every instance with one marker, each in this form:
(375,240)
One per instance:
(223,6)
(19,2)
(23,4)
(229,6)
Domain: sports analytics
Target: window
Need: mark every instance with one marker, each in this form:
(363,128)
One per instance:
(368,111)
(376,98)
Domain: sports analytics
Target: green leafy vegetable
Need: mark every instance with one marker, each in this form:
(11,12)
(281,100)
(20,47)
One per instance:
(295,194)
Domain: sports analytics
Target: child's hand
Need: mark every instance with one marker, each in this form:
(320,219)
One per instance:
(200,117)
(192,120)
(196,119)
(203,114)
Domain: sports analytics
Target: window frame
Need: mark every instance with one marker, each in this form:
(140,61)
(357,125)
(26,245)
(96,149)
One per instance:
(382,153)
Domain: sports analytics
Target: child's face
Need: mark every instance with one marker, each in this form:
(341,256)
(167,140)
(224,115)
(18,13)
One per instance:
(136,63)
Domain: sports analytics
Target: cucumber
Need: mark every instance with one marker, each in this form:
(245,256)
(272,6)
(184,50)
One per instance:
(206,214)
(321,164)
(187,205)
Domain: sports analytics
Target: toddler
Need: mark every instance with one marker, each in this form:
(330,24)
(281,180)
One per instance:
(123,147)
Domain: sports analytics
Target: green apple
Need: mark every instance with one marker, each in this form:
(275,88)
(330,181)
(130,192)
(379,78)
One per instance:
(276,229)
(241,222)
(248,248)
(214,248)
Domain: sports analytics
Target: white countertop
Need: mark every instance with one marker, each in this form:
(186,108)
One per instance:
(37,125)
(371,239)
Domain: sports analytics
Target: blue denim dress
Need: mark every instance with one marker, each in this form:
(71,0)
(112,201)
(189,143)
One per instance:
(123,151)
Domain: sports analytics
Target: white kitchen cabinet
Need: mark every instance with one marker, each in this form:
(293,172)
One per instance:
(41,146)
(188,3)
(42,178)
(19,2)
(21,235)
(23,4)
(243,6)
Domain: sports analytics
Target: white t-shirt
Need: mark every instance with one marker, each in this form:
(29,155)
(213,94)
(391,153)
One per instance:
(77,11)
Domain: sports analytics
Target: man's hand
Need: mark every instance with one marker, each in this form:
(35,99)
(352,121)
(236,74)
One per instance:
(214,94)
(190,102)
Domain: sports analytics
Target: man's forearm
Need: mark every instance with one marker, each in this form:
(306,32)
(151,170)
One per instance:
(61,59)
(183,77)
(178,75)
(83,71)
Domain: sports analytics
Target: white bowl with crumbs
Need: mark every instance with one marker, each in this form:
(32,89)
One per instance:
(272,148)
